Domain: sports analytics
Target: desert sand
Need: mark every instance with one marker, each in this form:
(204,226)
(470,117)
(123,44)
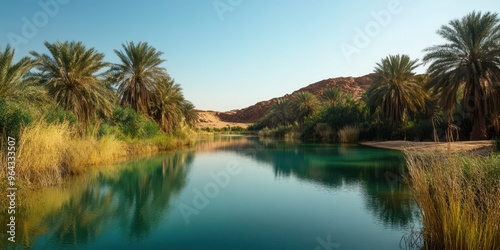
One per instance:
(209,119)
(459,146)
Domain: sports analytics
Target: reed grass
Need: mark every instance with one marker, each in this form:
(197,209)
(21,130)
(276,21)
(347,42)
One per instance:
(47,153)
(458,198)
(349,134)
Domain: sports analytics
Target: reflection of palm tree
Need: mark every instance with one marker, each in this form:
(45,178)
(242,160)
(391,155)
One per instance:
(335,166)
(136,198)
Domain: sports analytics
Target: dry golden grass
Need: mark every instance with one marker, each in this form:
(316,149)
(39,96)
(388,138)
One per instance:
(46,153)
(459,199)
(41,150)
(349,134)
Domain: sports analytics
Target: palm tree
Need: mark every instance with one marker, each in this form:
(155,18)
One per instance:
(304,104)
(190,114)
(468,62)
(169,105)
(396,89)
(332,96)
(71,75)
(280,113)
(15,88)
(139,75)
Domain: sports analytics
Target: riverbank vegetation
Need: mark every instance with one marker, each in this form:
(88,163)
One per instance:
(68,109)
(458,199)
(457,99)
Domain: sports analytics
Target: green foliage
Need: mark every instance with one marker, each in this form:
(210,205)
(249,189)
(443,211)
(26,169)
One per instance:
(15,89)
(126,123)
(304,104)
(59,115)
(466,68)
(350,113)
(138,75)
(71,75)
(286,132)
(395,89)
(12,119)
(497,144)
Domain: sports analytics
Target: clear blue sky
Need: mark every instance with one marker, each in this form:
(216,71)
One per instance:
(229,54)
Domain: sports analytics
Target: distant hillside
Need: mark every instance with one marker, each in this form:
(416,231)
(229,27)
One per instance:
(353,85)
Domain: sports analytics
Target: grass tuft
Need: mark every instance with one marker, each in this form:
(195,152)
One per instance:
(349,134)
(458,199)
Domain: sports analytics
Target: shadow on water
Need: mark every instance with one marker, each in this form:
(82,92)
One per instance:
(378,172)
(131,198)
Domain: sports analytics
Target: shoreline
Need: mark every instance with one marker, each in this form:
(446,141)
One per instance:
(458,146)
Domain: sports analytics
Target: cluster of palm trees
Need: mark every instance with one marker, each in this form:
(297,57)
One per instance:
(301,105)
(463,73)
(79,80)
(463,77)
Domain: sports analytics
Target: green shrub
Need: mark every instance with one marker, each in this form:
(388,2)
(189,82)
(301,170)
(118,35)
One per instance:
(126,123)
(12,119)
(59,116)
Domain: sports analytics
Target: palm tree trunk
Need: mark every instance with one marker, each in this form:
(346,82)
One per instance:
(478,127)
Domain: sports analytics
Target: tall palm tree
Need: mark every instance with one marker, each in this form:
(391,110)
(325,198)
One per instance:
(395,89)
(304,104)
(71,75)
(468,62)
(280,113)
(139,75)
(190,114)
(332,96)
(15,88)
(169,105)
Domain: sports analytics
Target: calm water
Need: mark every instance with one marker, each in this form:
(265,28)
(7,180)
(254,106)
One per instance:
(230,193)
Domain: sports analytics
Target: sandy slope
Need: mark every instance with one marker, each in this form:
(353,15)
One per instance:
(209,119)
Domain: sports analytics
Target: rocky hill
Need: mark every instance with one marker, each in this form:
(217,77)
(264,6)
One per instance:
(353,85)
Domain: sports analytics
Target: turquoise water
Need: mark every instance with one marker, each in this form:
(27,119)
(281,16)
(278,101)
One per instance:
(236,193)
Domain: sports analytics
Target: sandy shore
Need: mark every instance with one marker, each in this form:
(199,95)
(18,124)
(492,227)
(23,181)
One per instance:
(461,146)
(209,119)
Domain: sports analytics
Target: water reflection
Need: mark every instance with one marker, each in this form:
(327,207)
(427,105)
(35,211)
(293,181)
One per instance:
(135,199)
(379,173)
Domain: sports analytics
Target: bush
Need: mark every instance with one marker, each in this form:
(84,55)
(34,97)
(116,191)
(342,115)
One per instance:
(324,131)
(349,134)
(59,115)
(12,120)
(126,123)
